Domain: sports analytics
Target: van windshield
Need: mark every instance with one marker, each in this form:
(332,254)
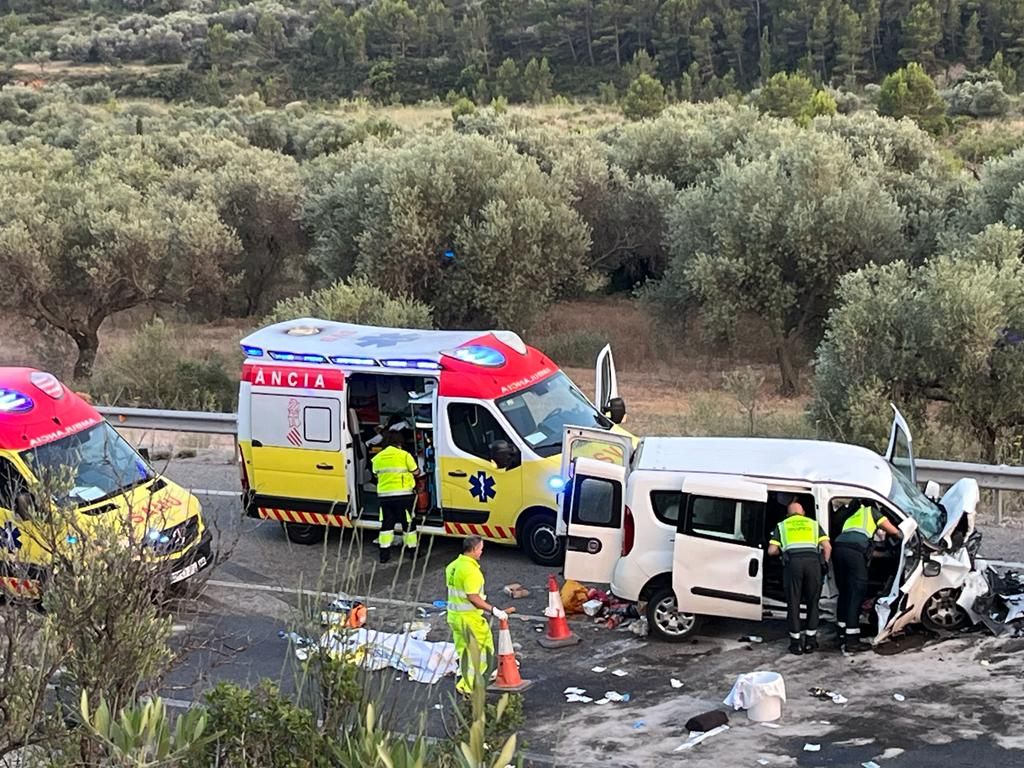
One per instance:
(929,516)
(100,461)
(541,413)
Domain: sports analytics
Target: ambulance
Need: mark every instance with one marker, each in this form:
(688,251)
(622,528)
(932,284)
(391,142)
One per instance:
(482,412)
(46,430)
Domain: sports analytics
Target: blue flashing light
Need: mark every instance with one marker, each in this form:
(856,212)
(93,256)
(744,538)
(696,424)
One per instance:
(12,401)
(556,484)
(153,535)
(164,539)
(295,357)
(365,361)
(252,351)
(479,355)
(422,365)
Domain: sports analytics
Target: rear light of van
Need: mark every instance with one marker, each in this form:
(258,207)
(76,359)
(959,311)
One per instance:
(628,532)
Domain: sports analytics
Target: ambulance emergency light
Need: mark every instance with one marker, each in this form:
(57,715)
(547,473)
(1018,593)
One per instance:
(423,365)
(476,354)
(292,357)
(252,351)
(12,401)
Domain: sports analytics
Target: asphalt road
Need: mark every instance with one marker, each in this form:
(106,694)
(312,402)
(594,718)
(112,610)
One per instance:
(956,709)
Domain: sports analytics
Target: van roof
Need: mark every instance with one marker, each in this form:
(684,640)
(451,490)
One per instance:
(812,461)
(35,408)
(311,340)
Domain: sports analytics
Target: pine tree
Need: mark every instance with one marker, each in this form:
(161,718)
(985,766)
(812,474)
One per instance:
(734,24)
(952,23)
(850,35)
(507,82)
(764,57)
(922,32)
(872,18)
(819,40)
(972,41)
(703,48)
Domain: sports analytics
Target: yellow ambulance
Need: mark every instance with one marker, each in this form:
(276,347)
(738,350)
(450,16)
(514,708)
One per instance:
(482,412)
(47,430)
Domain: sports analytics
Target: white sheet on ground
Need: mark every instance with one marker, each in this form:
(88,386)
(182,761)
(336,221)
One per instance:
(423,661)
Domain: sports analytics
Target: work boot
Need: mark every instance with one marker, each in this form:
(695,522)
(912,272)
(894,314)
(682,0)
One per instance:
(810,644)
(795,647)
(385,555)
(854,645)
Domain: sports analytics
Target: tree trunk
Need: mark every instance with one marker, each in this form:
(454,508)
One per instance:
(88,343)
(788,370)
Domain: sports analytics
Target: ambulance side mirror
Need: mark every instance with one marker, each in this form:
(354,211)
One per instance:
(505,455)
(616,410)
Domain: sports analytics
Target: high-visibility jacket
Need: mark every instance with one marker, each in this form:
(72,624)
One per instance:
(859,526)
(463,577)
(394,468)
(798,533)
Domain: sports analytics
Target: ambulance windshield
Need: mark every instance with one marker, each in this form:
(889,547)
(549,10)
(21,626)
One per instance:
(96,463)
(540,413)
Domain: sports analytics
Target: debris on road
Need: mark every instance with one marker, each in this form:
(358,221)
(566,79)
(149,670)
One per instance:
(599,669)
(697,737)
(515,590)
(760,693)
(639,627)
(638,725)
(762,761)
(592,607)
(870,764)
(752,639)
(619,672)
(821,693)
(573,595)
(676,683)
(574,698)
(812,747)
(616,696)
(573,689)
(706,721)
(899,697)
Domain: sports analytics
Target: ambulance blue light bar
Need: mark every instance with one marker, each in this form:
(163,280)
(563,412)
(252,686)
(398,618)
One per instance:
(294,357)
(13,401)
(365,361)
(252,351)
(421,365)
(476,354)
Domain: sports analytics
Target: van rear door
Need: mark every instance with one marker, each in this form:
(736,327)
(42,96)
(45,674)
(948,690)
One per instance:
(595,444)
(717,565)
(593,507)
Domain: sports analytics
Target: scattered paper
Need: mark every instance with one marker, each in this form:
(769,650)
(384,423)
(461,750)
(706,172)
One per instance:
(437,706)
(676,683)
(601,701)
(616,696)
(577,691)
(574,698)
(823,722)
(752,639)
(770,725)
(838,698)
(697,737)
(985,662)
(638,725)
(599,670)
(870,764)
(899,697)
(619,672)
(812,747)
(762,761)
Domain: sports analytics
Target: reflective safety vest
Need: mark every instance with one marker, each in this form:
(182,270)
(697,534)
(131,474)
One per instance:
(798,532)
(394,469)
(862,521)
(463,577)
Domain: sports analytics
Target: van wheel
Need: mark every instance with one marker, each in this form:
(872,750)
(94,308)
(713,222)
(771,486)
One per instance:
(664,620)
(942,614)
(540,540)
(300,533)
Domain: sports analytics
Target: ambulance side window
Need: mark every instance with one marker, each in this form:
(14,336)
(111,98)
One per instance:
(11,484)
(474,428)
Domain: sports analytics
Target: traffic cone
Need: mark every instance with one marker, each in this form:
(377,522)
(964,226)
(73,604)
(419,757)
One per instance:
(558,634)
(508,669)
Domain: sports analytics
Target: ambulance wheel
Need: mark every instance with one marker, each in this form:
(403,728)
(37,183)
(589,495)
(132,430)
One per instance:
(540,540)
(665,622)
(299,533)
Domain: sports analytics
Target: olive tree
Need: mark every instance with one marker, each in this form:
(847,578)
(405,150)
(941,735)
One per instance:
(354,301)
(463,223)
(771,234)
(949,333)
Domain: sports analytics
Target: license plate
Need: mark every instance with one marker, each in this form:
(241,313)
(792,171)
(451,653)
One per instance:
(190,570)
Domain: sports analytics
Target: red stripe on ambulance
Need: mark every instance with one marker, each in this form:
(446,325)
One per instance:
(292,377)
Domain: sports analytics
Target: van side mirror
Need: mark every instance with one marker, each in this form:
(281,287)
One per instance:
(931,568)
(24,505)
(932,490)
(616,410)
(505,455)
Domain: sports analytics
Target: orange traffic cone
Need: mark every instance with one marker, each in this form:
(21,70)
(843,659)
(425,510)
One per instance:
(558,634)
(508,670)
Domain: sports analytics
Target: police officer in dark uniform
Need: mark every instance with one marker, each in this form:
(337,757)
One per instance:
(802,544)
(853,550)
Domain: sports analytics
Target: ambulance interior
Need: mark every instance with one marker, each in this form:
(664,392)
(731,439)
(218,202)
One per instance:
(379,403)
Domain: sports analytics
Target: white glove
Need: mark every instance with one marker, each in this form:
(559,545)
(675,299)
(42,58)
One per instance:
(499,614)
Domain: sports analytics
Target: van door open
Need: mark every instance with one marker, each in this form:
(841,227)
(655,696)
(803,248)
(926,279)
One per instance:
(606,384)
(717,565)
(597,445)
(593,508)
(900,452)
(300,449)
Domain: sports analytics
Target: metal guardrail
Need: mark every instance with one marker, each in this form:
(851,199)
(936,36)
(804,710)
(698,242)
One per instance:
(997,478)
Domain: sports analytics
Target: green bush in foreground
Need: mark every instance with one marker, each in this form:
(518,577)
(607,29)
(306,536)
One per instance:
(355,301)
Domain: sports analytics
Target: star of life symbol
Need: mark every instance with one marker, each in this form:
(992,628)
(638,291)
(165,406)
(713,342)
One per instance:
(294,422)
(386,339)
(481,485)
(10,537)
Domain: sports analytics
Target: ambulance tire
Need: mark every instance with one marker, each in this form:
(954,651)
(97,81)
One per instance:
(540,539)
(300,533)
(666,623)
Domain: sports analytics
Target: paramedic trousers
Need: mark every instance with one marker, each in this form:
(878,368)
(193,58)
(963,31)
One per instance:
(802,579)
(466,625)
(396,510)
(851,569)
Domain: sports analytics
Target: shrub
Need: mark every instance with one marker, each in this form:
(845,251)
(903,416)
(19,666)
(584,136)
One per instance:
(910,92)
(462,108)
(794,96)
(355,301)
(977,96)
(644,99)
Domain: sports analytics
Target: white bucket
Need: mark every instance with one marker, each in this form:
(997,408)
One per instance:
(767,708)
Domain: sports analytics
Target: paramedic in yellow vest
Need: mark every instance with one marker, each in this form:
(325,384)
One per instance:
(799,539)
(396,471)
(468,609)
(853,548)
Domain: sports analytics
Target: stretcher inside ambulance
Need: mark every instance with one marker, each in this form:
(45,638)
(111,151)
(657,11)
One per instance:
(64,471)
(482,412)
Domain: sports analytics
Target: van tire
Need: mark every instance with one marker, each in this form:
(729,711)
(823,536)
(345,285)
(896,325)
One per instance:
(660,623)
(300,533)
(540,540)
(942,615)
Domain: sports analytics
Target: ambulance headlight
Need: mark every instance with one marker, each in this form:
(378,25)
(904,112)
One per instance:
(556,484)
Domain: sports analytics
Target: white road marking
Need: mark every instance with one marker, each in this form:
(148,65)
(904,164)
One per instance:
(369,600)
(207,492)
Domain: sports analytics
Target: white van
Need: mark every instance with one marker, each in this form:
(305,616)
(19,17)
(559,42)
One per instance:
(682,524)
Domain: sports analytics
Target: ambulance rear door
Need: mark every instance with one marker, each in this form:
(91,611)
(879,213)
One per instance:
(595,444)
(301,448)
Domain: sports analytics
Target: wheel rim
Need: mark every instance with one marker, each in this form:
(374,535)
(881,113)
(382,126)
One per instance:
(544,541)
(670,620)
(942,610)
